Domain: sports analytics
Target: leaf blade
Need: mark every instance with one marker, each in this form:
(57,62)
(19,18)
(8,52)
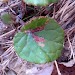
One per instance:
(42,46)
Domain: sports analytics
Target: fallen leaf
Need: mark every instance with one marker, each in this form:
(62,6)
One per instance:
(68,64)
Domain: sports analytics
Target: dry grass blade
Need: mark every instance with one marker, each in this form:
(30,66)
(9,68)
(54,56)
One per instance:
(12,5)
(65,14)
(59,73)
(7,34)
(71,48)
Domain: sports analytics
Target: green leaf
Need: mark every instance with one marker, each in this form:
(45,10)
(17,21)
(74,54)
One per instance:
(34,23)
(42,46)
(6,18)
(40,2)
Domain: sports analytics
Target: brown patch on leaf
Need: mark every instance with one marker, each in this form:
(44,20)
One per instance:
(38,29)
(38,39)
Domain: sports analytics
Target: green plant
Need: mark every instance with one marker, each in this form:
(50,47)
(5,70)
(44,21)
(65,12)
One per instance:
(40,2)
(7,18)
(40,40)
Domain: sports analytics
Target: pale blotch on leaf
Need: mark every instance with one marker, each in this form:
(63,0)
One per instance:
(41,44)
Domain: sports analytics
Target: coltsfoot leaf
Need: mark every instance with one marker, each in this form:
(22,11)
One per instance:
(41,46)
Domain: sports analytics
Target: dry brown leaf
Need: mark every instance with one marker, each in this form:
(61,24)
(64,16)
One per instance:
(68,64)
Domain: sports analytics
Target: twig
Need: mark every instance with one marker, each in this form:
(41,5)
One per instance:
(57,67)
